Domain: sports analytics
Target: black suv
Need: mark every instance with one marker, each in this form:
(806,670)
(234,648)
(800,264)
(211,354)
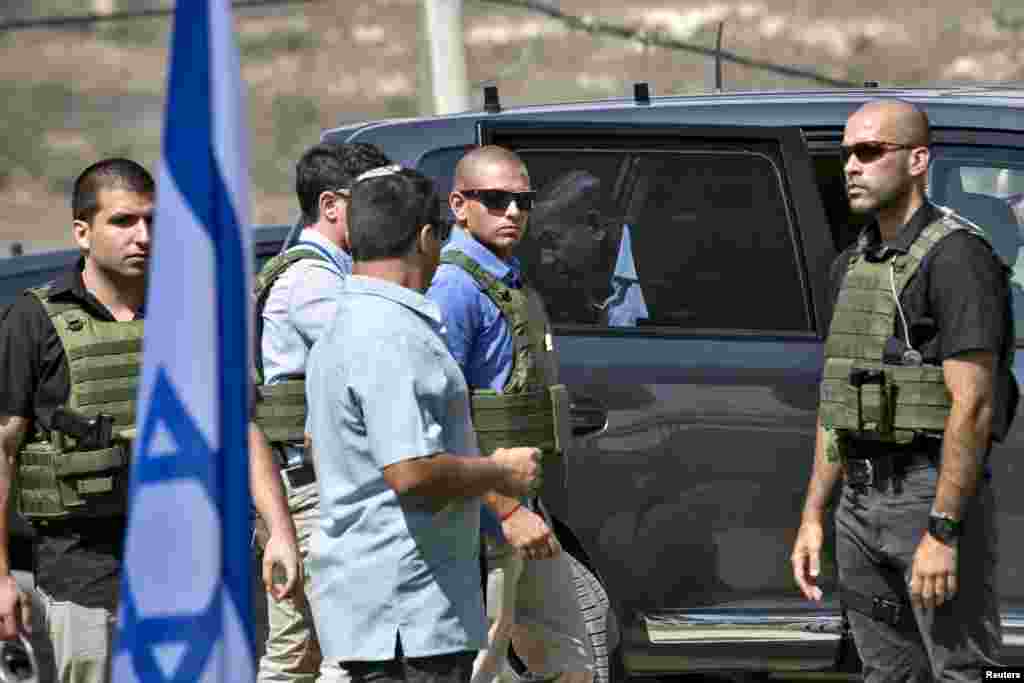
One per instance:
(691,305)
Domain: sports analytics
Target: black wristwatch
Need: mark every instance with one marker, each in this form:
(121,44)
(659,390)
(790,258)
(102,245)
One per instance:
(944,528)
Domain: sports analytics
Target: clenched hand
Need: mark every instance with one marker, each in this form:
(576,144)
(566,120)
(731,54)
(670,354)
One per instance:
(527,532)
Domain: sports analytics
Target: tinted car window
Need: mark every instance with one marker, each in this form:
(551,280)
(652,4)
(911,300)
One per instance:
(986,186)
(684,240)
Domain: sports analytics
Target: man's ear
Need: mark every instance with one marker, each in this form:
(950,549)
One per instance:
(329,205)
(425,239)
(81,231)
(458,204)
(919,159)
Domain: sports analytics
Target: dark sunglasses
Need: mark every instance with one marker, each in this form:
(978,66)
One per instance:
(868,152)
(498,200)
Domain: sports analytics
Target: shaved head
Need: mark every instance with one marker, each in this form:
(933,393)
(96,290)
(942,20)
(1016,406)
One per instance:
(479,162)
(895,121)
(886,159)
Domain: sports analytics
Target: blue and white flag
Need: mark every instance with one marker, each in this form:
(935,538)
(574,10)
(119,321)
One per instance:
(185,613)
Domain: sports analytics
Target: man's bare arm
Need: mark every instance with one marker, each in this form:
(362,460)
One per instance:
(15,609)
(500,505)
(806,558)
(443,477)
(970,379)
(272,505)
(12,433)
(265,481)
(826,470)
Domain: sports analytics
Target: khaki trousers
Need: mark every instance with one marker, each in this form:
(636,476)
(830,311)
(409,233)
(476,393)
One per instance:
(72,643)
(293,652)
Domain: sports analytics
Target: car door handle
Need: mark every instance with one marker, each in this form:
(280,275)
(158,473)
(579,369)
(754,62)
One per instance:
(586,415)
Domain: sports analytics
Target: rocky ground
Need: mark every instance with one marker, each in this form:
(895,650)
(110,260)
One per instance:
(76,95)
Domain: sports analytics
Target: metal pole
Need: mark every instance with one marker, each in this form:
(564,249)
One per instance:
(447,55)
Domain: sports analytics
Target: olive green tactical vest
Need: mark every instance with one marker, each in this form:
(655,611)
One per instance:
(55,479)
(894,402)
(281,410)
(531,409)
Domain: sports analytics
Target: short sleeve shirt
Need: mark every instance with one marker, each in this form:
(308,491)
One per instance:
(382,388)
(78,561)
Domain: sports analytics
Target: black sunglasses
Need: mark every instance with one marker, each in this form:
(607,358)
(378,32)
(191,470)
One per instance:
(868,152)
(498,200)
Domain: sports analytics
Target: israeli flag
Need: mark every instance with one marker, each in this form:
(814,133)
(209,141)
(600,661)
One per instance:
(184,612)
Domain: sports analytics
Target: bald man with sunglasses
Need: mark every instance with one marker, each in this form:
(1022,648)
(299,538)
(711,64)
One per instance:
(917,385)
(497,330)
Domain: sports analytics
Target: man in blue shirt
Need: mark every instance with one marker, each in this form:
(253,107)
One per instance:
(395,559)
(531,588)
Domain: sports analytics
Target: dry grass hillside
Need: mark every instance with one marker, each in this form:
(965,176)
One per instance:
(75,95)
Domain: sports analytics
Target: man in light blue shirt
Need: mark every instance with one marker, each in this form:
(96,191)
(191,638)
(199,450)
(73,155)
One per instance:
(395,560)
(531,585)
(301,290)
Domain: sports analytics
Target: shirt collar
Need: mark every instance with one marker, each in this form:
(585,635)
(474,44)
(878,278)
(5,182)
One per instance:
(341,258)
(410,298)
(70,286)
(871,238)
(509,272)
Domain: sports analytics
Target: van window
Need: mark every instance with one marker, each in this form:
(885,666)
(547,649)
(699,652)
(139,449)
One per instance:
(986,186)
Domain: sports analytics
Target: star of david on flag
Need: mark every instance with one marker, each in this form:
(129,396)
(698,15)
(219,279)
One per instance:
(184,612)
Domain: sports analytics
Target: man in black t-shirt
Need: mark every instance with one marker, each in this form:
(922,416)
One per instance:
(917,385)
(79,516)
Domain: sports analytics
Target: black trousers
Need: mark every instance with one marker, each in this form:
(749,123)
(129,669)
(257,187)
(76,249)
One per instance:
(877,533)
(456,667)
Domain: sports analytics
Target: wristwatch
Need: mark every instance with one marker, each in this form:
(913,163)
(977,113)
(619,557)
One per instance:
(944,528)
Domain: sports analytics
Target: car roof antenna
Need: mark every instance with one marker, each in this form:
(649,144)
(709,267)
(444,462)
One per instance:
(641,93)
(492,103)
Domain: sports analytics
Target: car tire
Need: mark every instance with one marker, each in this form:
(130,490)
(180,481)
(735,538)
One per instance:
(602,626)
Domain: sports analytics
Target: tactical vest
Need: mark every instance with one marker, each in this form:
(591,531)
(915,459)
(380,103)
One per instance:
(532,409)
(861,395)
(56,479)
(281,410)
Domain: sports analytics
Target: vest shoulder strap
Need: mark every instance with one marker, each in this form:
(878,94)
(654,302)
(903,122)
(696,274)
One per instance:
(268,275)
(947,224)
(512,305)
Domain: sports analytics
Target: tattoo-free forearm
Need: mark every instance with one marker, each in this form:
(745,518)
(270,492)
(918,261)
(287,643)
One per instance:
(968,430)
(444,477)
(12,431)
(268,494)
(826,472)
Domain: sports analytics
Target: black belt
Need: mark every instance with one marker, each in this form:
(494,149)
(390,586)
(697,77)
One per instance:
(878,466)
(300,475)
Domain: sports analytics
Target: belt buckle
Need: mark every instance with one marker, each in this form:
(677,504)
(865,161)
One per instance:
(862,474)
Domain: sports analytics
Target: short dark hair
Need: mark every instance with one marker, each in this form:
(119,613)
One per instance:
(387,212)
(327,167)
(108,174)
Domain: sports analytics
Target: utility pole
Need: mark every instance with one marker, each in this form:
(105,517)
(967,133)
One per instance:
(447,55)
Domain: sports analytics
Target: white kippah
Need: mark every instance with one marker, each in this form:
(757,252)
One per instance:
(379,172)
